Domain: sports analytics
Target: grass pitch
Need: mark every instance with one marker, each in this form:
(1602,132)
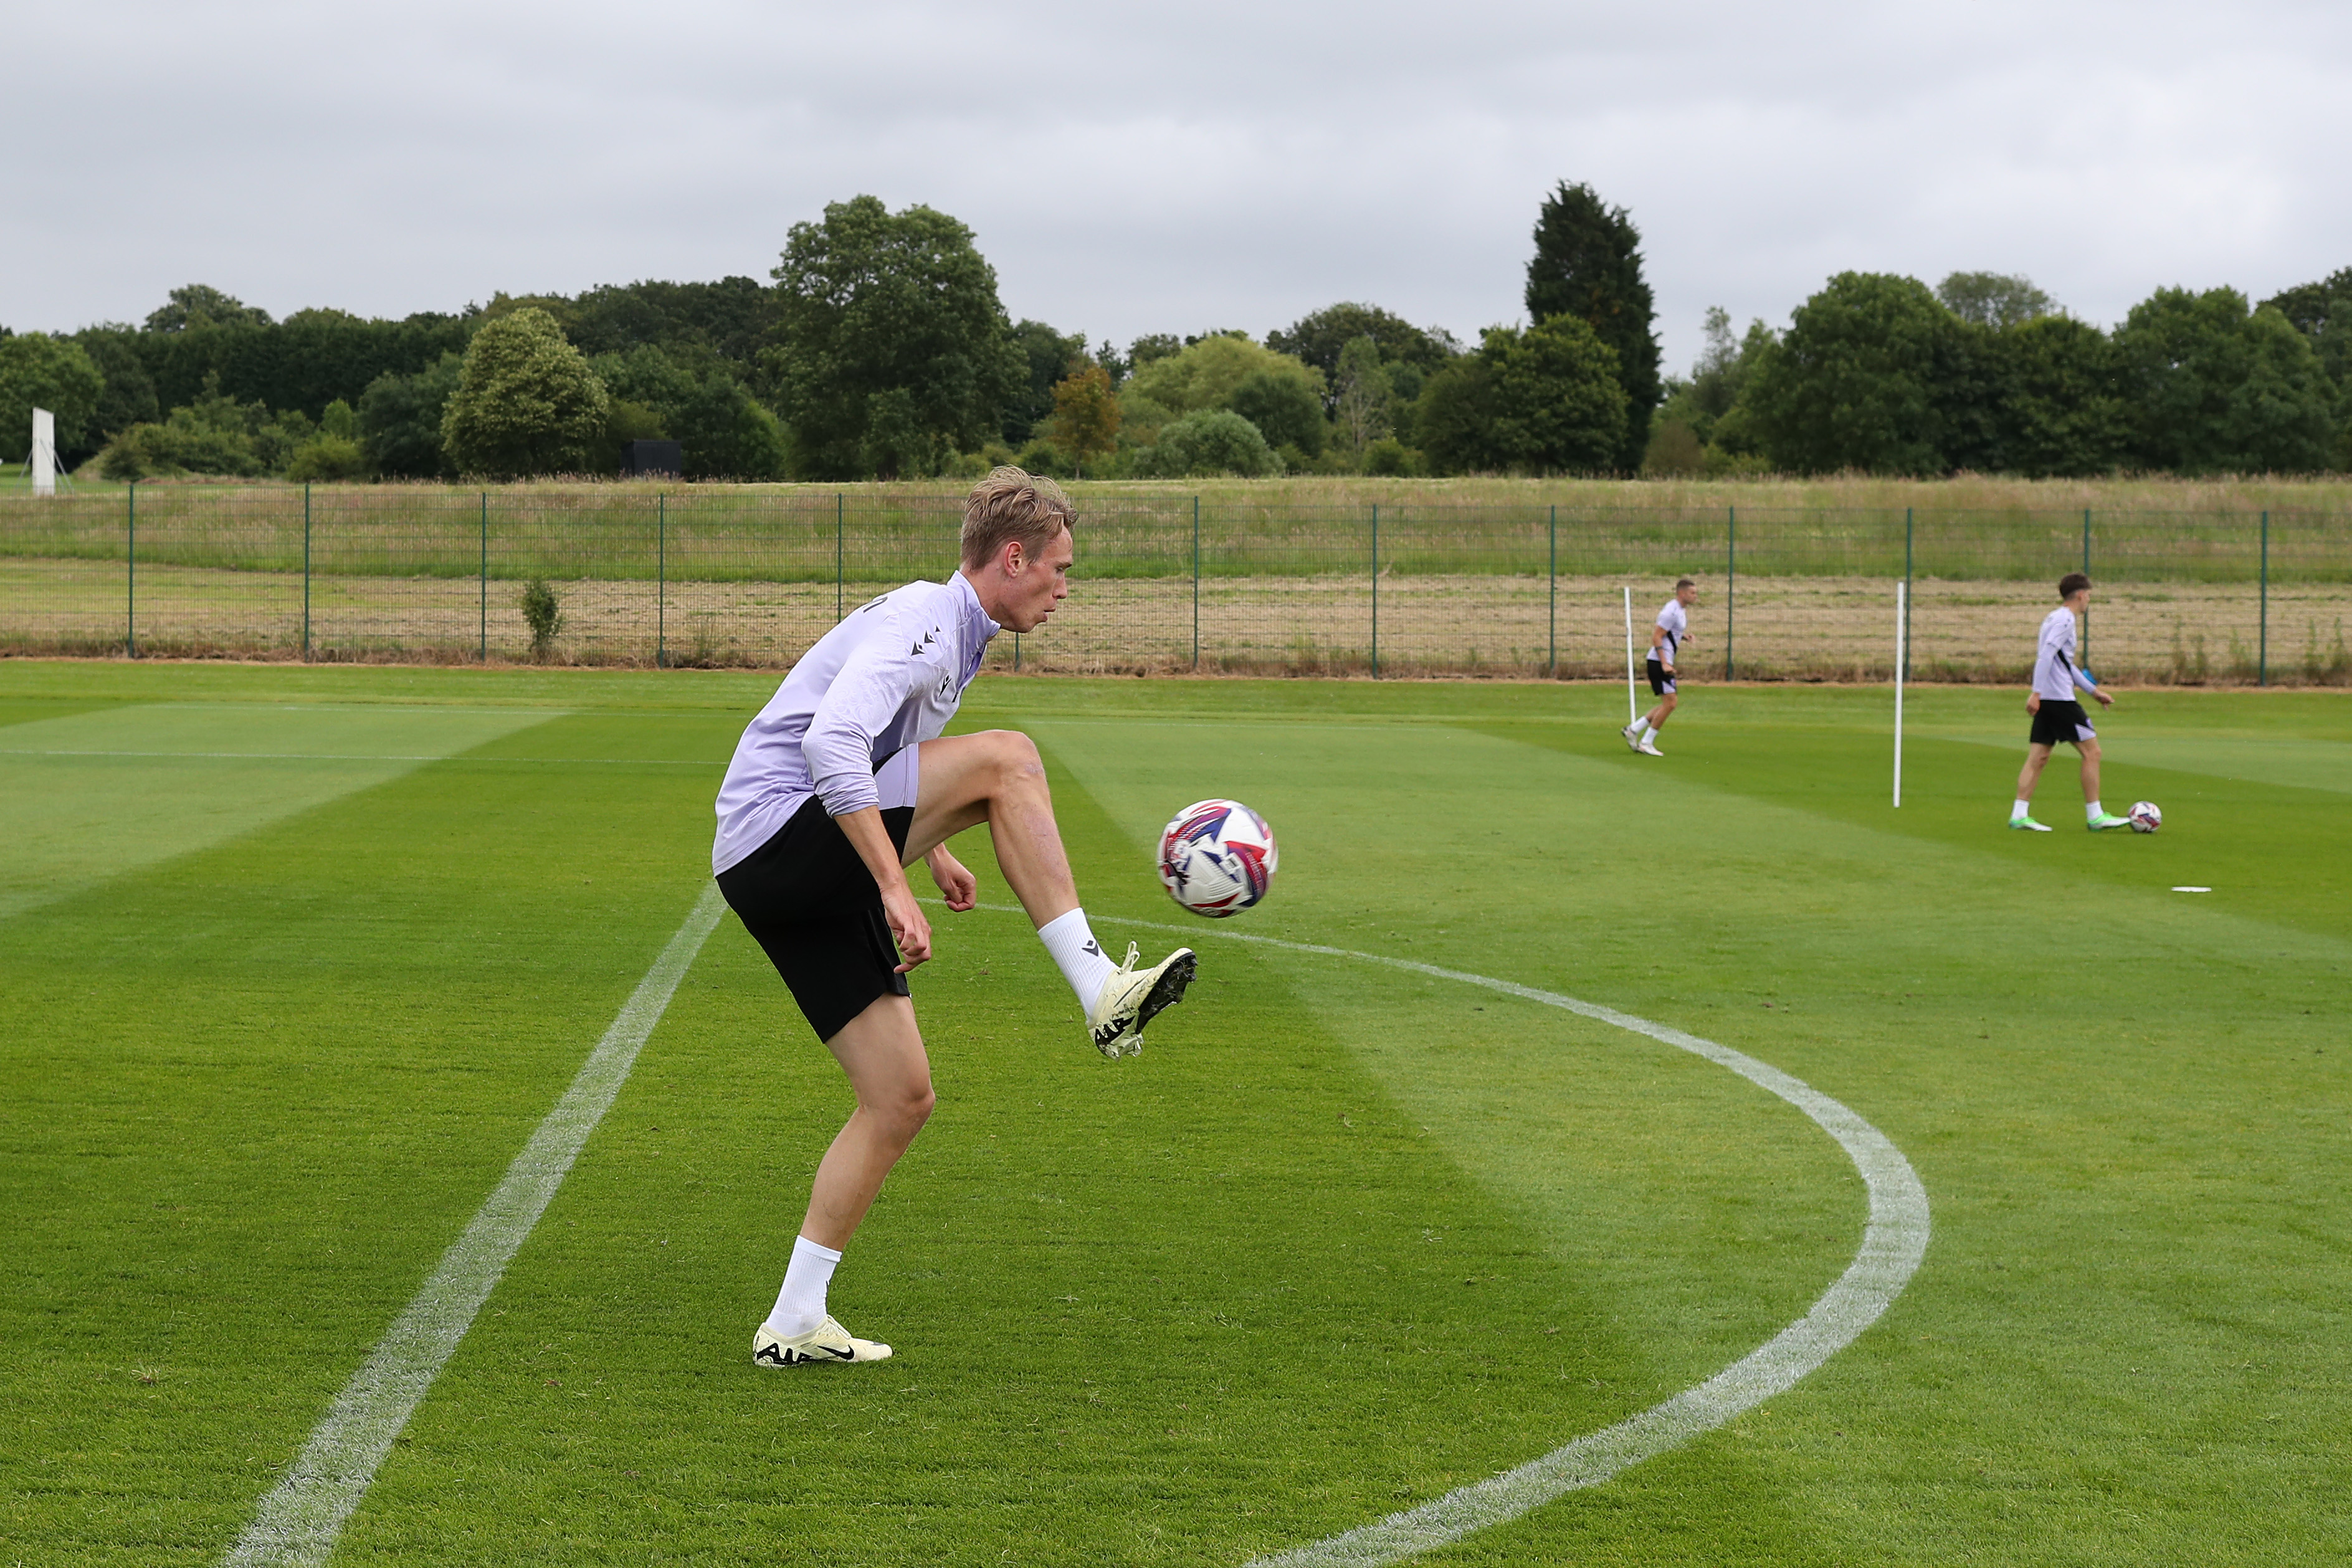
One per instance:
(295,960)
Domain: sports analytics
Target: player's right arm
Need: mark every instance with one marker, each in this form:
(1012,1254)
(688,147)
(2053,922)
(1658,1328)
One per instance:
(874,682)
(1657,646)
(865,830)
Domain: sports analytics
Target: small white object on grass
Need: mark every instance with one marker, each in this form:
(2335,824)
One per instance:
(2192,890)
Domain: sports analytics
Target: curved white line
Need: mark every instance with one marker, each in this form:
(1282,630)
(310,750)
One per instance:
(1893,1242)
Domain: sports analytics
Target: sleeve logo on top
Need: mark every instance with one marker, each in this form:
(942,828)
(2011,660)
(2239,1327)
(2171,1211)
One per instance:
(929,637)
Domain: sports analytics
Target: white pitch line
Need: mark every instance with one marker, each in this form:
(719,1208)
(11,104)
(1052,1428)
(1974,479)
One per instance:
(1893,1240)
(298,1520)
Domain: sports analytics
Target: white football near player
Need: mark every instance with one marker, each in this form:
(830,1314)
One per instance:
(1217,858)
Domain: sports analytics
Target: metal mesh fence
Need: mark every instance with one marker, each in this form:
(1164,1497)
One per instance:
(715,575)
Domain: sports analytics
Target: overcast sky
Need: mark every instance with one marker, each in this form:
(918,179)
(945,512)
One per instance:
(1132,170)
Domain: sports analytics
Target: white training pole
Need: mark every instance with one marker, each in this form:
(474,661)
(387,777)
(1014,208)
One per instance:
(1633,703)
(1899,591)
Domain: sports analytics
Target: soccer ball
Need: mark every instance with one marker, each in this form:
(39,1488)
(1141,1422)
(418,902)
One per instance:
(2144,817)
(1217,858)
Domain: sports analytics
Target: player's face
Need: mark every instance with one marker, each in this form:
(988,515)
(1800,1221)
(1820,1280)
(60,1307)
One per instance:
(1037,583)
(1689,596)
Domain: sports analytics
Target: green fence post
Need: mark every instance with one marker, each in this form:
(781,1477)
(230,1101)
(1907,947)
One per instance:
(838,542)
(1730,579)
(1910,592)
(1376,591)
(482,652)
(1016,652)
(2262,655)
(1551,610)
(306,574)
(661,582)
(130,573)
(1196,585)
(2085,659)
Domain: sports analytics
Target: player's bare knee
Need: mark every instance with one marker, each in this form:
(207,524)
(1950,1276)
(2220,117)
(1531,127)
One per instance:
(913,1106)
(901,1107)
(1018,765)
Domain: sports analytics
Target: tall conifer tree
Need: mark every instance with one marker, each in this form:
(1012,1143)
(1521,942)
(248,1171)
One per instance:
(1588,264)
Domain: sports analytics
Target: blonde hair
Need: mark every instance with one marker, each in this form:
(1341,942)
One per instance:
(1013,504)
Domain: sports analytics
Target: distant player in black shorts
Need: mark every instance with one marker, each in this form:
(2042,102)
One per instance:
(2058,716)
(1666,639)
(842,780)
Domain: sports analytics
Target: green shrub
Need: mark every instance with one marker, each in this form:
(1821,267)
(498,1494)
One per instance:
(543,614)
(1215,441)
(326,457)
(214,435)
(1391,458)
(1044,458)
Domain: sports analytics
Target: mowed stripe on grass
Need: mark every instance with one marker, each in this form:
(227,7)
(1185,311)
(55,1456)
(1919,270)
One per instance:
(255,1090)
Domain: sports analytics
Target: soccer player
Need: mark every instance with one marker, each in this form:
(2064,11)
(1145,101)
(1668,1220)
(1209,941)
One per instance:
(841,782)
(2058,715)
(1672,631)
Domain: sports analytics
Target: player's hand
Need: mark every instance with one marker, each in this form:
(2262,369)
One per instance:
(960,885)
(2104,700)
(2033,702)
(908,926)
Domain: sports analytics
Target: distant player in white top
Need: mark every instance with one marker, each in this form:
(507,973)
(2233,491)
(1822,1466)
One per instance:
(841,782)
(1668,638)
(2058,713)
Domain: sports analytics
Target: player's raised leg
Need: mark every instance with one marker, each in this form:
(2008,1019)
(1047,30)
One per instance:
(997,778)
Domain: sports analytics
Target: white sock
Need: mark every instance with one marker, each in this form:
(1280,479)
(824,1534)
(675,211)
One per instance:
(1649,732)
(800,1305)
(2022,808)
(2093,811)
(1078,955)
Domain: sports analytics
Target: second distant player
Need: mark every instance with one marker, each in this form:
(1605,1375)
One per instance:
(1666,639)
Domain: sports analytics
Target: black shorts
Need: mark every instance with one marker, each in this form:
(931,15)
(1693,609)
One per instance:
(811,903)
(1662,684)
(2062,724)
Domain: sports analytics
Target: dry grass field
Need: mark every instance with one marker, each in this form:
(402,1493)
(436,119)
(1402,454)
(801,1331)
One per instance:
(1776,628)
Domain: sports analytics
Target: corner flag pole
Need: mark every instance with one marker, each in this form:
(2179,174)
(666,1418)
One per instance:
(1900,591)
(1633,704)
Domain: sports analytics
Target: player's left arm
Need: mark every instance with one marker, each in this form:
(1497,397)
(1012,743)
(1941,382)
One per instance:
(2083,679)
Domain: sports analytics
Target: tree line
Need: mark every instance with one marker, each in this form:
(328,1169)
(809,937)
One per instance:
(878,348)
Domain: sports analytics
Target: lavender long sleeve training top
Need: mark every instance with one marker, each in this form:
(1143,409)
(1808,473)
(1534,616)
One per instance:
(889,677)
